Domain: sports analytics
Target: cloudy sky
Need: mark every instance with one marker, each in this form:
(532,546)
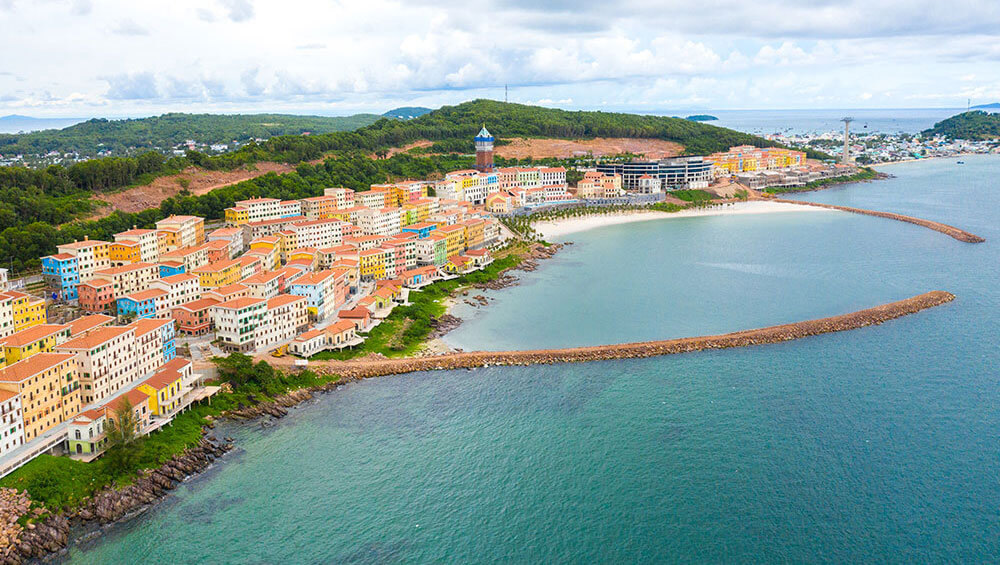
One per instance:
(133,58)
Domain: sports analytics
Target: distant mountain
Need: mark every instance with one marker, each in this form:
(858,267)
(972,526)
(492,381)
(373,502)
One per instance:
(15,123)
(169,130)
(993,106)
(701,118)
(406,112)
(974,126)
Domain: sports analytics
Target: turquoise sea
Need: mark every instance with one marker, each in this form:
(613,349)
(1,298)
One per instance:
(875,445)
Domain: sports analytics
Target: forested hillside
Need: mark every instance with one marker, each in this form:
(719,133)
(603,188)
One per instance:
(165,132)
(33,202)
(974,126)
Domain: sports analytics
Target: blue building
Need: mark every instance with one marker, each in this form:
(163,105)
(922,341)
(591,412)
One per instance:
(62,273)
(422,229)
(142,304)
(167,335)
(171,268)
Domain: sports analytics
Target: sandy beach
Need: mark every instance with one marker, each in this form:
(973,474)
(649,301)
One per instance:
(552,230)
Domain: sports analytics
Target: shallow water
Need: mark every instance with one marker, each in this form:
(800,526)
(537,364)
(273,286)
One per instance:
(878,444)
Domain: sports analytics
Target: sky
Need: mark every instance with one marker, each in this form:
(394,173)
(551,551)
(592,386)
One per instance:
(117,58)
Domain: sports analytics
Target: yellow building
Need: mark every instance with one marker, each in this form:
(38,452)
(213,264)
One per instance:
(49,387)
(28,310)
(124,252)
(220,273)
(371,263)
(474,230)
(164,391)
(237,216)
(455,237)
(36,339)
(746,158)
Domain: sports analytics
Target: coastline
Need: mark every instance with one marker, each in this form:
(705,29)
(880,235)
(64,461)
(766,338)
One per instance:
(564,226)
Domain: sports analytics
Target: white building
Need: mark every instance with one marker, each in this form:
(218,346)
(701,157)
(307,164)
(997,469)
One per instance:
(91,255)
(149,243)
(284,318)
(12,420)
(236,322)
(319,233)
(381,221)
(180,289)
(106,359)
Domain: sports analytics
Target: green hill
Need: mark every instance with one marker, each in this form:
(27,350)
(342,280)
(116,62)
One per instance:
(407,112)
(165,132)
(973,126)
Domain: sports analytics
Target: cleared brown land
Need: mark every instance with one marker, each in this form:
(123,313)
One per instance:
(405,148)
(374,367)
(520,148)
(139,198)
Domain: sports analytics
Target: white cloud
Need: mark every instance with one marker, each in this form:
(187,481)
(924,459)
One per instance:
(323,56)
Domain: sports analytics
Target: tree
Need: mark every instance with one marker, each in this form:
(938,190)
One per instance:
(124,443)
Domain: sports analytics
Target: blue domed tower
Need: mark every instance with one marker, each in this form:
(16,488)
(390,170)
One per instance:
(484,150)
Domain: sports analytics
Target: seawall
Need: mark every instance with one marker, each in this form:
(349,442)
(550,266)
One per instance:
(369,367)
(952,231)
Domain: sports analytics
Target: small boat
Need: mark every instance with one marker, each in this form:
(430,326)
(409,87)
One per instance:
(960,163)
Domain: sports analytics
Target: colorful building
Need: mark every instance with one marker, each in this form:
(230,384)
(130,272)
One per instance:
(61,272)
(36,339)
(49,389)
(140,304)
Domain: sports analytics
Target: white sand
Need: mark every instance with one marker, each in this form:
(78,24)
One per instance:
(552,230)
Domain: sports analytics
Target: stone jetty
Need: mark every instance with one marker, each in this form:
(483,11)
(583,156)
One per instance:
(374,367)
(952,231)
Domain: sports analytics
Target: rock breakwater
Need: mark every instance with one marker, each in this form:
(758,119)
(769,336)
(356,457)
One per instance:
(364,368)
(952,231)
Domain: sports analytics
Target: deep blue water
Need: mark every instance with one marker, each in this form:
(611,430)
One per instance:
(875,445)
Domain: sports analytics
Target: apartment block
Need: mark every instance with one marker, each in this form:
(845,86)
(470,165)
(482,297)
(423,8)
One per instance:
(106,358)
(179,289)
(91,255)
(236,322)
(187,231)
(48,387)
(148,240)
(284,317)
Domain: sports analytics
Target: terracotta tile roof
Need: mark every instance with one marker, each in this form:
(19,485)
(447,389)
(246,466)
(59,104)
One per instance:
(135,398)
(311,334)
(31,335)
(96,337)
(355,313)
(62,256)
(86,323)
(340,326)
(83,244)
(178,278)
(240,303)
(283,300)
(143,326)
(197,305)
(162,379)
(111,271)
(144,295)
(229,289)
(178,364)
(33,365)
(262,277)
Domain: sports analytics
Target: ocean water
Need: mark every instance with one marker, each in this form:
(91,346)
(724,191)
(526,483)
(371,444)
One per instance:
(879,120)
(875,445)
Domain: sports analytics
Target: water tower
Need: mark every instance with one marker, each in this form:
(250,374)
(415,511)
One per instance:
(846,158)
(484,150)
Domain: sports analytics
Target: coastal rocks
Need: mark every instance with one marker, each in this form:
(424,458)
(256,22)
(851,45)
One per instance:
(369,367)
(443,324)
(39,540)
(278,408)
(952,231)
(110,504)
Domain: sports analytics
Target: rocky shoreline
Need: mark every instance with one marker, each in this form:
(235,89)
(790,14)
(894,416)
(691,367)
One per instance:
(50,536)
(951,231)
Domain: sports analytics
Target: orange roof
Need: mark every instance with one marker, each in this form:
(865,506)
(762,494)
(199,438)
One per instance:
(86,323)
(143,326)
(32,334)
(176,364)
(311,334)
(340,326)
(262,277)
(62,256)
(217,266)
(33,365)
(124,269)
(96,283)
(6,395)
(239,303)
(135,397)
(224,232)
(179,277)
(358,312)
(88,416)
(96,337)
(217,244)
(84,244)
(228,289)
(147,294)
(196,305)
(314,278)
(162,379)
(284,299)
